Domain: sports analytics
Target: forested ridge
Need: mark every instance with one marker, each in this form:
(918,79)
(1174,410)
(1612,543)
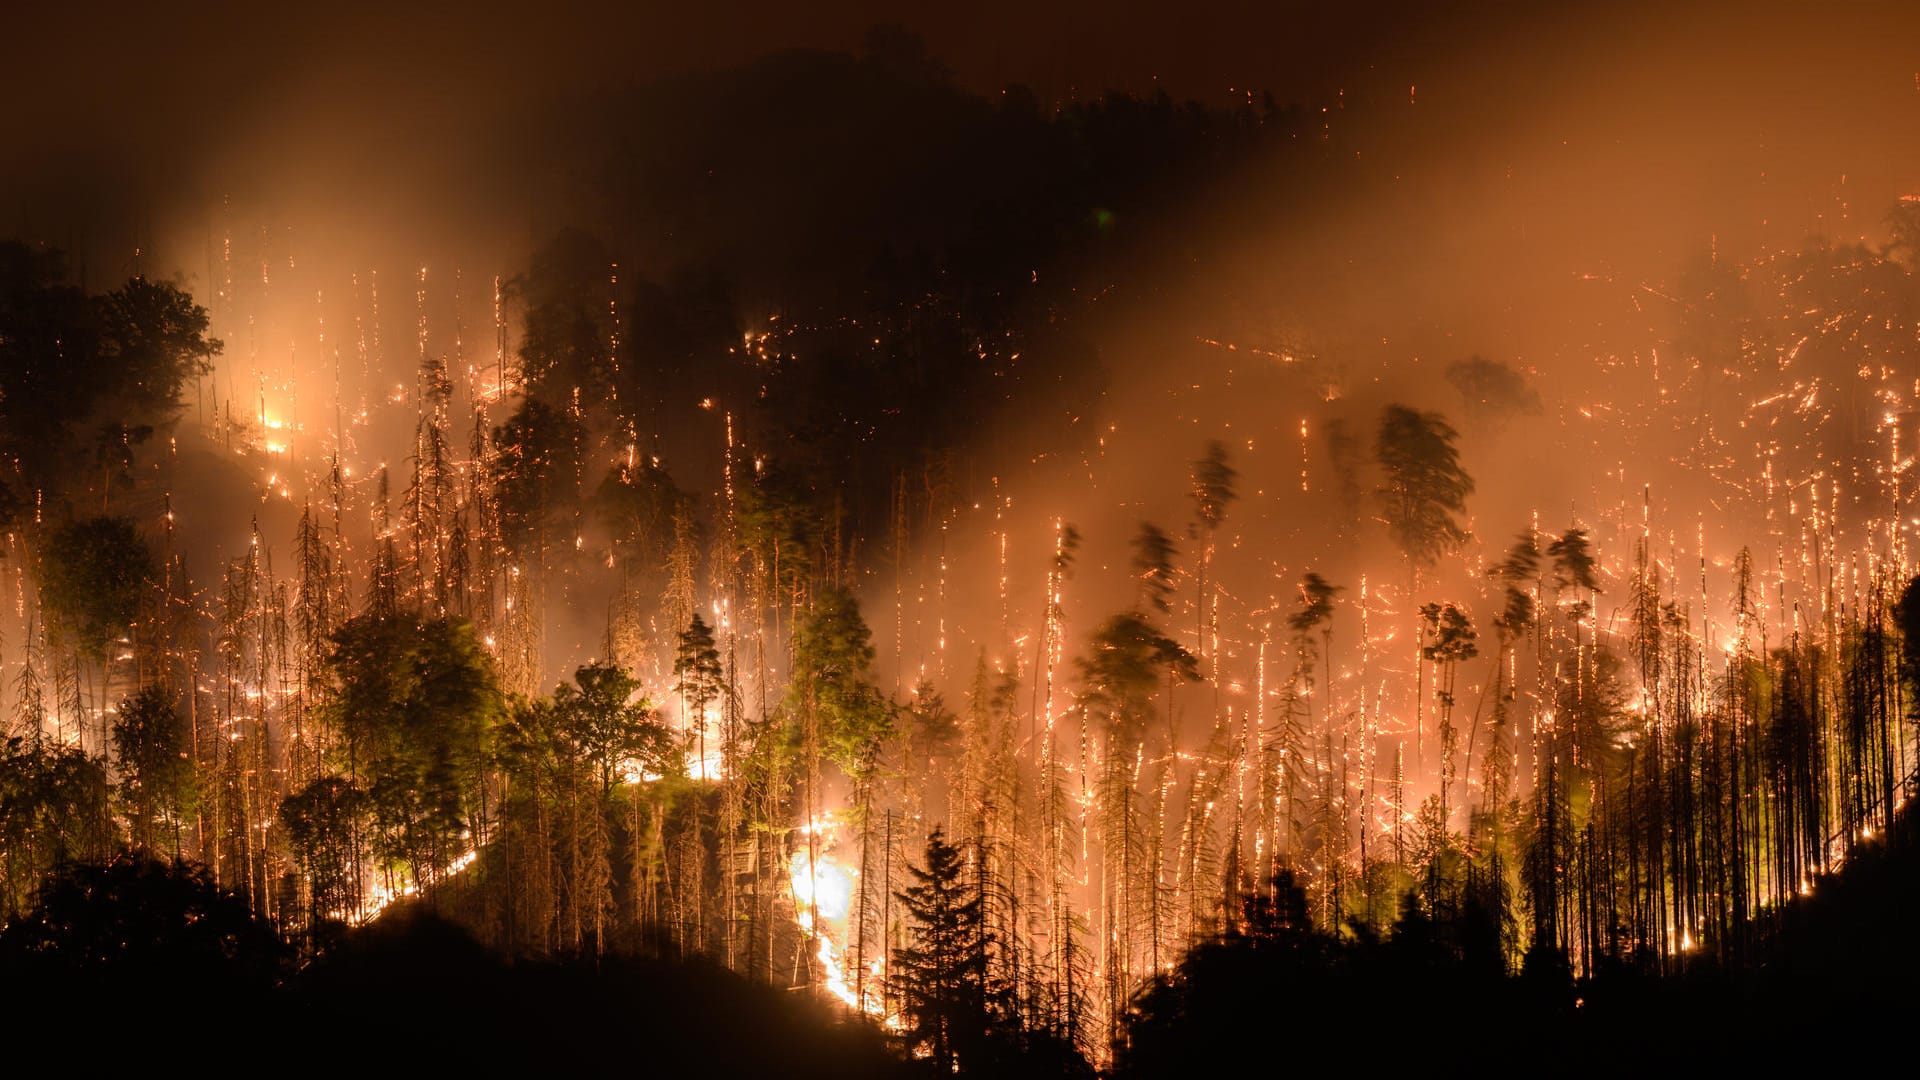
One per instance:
(680,651)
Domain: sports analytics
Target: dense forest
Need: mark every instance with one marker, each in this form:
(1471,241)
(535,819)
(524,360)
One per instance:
(705,646)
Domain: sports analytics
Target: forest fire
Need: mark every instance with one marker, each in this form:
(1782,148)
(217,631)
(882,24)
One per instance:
(1067,618)
(822,888)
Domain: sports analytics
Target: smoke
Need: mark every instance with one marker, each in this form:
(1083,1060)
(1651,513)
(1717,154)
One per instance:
(1527,187)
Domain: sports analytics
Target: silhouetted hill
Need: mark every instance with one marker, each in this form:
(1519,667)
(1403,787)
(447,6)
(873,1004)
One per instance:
(416,983)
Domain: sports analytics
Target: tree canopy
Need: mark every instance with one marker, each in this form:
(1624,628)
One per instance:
(87,369)
(1425,488)
(415,700)
(93,577)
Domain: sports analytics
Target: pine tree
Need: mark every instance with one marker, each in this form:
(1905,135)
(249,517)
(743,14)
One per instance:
(1423,491)
(698,680)
(1425,487)
(1452,638)
(948,1003)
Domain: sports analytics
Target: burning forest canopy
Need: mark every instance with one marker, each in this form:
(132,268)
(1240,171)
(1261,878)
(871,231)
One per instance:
(965,576)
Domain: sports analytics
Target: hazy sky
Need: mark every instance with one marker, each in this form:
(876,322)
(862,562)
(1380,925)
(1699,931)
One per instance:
(1514,153)
(121,115)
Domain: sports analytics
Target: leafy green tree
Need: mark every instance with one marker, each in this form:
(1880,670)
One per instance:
(540,785)
(781,520)
(838,709)
(933,730)
(93,574)
(609,724)
(158,783)
(598,728)
(414,701)
(833,672)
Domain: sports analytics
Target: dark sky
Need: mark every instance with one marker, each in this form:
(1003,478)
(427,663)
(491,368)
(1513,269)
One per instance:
(121,115)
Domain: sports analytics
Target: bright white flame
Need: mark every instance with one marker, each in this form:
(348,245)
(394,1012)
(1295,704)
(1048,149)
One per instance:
(826,885)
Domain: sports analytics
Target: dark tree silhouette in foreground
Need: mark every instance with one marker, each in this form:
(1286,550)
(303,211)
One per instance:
(137,926)
(942,977)
(957,1015)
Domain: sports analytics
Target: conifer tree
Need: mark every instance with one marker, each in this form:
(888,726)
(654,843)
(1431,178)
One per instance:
(948,1003)
(697,679)
(1425,487)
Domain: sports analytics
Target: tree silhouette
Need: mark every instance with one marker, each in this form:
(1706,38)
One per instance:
(136,927)
(1450,638)
(101,371)
(1491,391)
(1903,228)
(941,978)
(534,465)
(323,821)
(1573,561)
(1213,492)
(53,810)
(1153,553)
(1423,490)
(567,343)
(697,677)
(1128,659)
(1425,487)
